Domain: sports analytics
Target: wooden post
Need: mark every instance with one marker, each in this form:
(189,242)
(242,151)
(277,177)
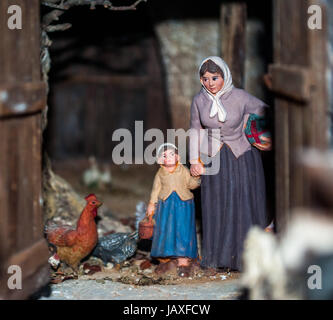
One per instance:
(22,98)
(233,36)
(299,80)
(157,114)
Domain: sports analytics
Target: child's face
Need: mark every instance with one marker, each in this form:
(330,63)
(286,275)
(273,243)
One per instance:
(213,82)
(169,158)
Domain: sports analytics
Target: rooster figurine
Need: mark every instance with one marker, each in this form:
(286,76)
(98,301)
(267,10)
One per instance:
(72,245)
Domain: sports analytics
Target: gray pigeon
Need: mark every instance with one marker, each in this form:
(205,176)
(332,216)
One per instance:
(118,247)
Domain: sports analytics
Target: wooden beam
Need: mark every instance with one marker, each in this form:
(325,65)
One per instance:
(31,258)
(291,81)
(31,261)
(299,79)
(22,98)
(233,39)
(124,81)
(282,165)
(319,61)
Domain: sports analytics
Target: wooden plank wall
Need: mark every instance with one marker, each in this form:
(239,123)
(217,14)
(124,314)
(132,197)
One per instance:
(301,122)
(233,39)
(23,96)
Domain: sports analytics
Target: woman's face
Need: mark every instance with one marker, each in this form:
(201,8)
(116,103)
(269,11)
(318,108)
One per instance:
(213,82)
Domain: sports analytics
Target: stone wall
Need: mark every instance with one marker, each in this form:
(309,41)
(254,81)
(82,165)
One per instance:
(184,44)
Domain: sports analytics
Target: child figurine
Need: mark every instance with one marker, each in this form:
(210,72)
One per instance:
(174,239)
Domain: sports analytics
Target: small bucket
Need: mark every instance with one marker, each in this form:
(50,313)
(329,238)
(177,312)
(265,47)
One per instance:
(146,229)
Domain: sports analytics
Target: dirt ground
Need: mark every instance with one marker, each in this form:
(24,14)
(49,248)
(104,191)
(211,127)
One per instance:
(139,271)
(110,290)
(135,279)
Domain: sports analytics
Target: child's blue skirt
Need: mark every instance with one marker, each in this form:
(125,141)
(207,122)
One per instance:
(174,231)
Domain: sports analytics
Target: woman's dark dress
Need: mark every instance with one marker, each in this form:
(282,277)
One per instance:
(232,201)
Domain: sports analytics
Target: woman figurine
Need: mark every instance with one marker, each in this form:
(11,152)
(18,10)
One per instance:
(234,199)
(174,238)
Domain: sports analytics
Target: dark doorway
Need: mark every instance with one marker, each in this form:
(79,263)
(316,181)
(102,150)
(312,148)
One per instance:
(106,74)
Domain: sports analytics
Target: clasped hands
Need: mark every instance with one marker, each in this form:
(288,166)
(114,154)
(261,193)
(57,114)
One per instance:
(197,169)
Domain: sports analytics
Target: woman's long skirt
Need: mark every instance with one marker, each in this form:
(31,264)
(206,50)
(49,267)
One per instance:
(174,231)
(232,201)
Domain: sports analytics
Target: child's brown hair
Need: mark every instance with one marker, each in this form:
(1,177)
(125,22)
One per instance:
(164,147)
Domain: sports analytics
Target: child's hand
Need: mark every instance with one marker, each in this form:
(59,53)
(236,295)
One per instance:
(150,209)
(197,169)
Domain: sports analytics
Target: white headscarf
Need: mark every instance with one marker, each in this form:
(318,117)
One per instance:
(217,106)
(171,145)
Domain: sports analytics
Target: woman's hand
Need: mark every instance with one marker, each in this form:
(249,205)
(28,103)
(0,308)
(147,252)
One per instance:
(266,145)
(196,169)
(150,209)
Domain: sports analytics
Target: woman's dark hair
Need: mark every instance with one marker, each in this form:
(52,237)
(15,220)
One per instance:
(211,67)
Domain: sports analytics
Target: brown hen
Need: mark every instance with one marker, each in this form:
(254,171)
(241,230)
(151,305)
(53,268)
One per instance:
(72,245)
